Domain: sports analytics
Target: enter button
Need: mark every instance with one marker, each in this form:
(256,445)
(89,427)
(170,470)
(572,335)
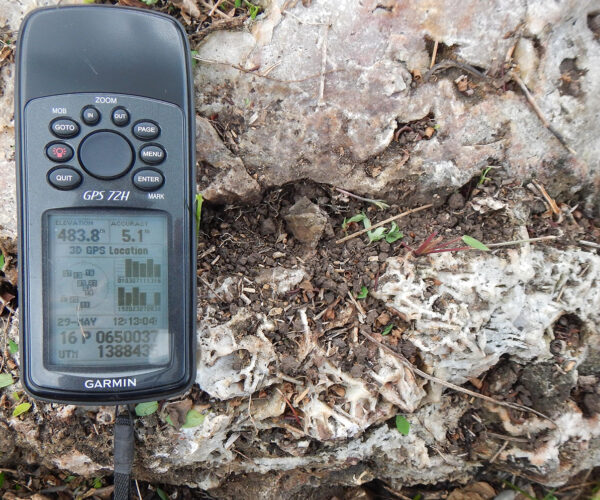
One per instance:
(148,180)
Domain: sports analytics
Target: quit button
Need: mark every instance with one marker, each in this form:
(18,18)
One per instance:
(148,180)
(64,178)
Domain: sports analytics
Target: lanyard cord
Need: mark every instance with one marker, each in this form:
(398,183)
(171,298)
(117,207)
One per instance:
(123,452)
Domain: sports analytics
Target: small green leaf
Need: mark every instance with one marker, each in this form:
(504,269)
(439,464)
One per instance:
(162,494)
(1,479)
(238,4)
(145,409)
(1,261)
(169,421)
(194,53)
(20,409)
(13,347)
(382,205)
(364,291)
(402,425)
(97,483)
(473,243)
(193,419)
(89,1)
(387,329)
(199,201)
(418,496)
(6,380)
(356,218)
(394,234)
(376,234)
(149,2)
(68,479)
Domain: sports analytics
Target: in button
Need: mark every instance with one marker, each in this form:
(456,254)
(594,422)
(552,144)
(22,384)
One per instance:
(90,115)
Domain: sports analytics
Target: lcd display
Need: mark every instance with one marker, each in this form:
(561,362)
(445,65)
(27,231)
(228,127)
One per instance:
(107,290)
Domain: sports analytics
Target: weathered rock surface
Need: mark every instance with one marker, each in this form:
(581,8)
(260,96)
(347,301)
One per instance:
(340,81)
(320,92)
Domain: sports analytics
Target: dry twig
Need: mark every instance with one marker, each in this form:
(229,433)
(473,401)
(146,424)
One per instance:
(434,54)
(253,72)
(540,114)
(455,387)
(517,242)
(325,32)
(383,223)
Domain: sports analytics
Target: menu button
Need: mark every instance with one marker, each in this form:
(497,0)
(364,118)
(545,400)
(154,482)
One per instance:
(152,154)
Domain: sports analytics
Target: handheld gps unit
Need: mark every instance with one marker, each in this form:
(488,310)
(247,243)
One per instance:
(106,183)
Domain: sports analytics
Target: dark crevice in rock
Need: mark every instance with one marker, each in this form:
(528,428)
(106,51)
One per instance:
(570,78)
(567,330)
(443,51)
(593,23)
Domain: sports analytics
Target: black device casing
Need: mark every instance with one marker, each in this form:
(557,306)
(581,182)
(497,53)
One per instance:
(72,56)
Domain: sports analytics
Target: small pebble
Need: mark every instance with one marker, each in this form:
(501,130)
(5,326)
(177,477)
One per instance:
(456,201)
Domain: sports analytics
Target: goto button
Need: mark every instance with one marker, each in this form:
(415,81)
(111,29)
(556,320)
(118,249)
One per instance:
(64,128)
(146,131)
(64,178)
(59,151)
(148,180)
(152,154)
(90,115)
(120,117)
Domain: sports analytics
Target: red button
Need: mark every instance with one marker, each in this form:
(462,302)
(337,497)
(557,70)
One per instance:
(59,152)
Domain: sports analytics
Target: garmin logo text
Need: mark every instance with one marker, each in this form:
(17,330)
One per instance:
(110,383)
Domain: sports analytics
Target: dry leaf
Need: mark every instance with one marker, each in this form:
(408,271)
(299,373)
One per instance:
(475,491)
(133,3)
(187,7)
(177,411)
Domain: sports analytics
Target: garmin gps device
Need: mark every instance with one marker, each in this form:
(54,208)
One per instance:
(106,183)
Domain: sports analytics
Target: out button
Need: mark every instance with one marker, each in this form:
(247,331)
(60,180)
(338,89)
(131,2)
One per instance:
(148,180)
(64,178)
(120,117)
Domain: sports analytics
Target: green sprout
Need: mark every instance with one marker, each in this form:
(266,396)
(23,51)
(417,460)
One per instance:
(20,409)
(13,347)
(387,329)
(364,291)
(483,177)
(145,409)
(402,425)
(199,201)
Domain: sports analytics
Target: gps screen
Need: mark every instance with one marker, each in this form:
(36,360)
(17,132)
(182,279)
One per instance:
(106,279)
